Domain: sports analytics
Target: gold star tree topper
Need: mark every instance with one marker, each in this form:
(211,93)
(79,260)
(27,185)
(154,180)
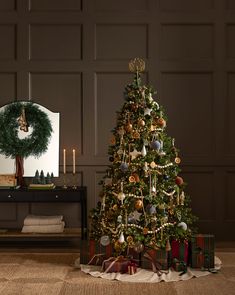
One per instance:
(137,65)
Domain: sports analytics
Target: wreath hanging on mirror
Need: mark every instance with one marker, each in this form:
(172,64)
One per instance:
(25,116)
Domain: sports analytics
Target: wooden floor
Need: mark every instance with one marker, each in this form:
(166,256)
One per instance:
(225,246)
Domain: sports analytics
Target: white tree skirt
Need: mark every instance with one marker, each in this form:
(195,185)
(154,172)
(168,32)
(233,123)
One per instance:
(146,276)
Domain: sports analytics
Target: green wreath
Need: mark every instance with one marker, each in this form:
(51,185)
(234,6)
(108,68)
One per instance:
(36,143)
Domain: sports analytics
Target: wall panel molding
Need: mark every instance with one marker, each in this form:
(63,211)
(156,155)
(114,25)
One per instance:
(72,56)
(186,6)
(134,41)
(230,43)
(230,4)
(121,5)
(230,120)
(229,215)
(201,195)
(184,102)
(7,5)
(8,86)
(8,42)
(61,92)
(181,41)
(111,98)
(54,5)
(55,42)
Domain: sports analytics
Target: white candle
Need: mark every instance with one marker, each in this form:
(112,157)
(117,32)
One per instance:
(74,171)
(64,161)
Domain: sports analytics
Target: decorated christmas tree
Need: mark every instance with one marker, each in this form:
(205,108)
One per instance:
(143,203)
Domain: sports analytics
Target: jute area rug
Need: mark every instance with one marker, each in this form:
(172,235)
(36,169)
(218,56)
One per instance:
(52,274)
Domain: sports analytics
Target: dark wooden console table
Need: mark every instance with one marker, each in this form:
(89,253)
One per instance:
(57,195)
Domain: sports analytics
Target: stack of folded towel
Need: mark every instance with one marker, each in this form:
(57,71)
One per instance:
(43,224)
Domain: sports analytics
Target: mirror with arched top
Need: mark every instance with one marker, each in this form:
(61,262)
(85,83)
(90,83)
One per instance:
(24,127)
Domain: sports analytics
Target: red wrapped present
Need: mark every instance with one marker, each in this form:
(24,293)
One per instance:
(92,252)
(179,250)
(133,256)
(203,251)
(156,260)
(116,264)
(132,268)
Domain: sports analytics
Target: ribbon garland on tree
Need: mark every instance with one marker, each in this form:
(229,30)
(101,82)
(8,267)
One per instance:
(23,115)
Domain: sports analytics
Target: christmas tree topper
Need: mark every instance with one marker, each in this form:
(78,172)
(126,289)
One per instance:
(137,65)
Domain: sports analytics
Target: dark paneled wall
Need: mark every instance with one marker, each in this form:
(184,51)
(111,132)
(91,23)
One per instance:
(72,56)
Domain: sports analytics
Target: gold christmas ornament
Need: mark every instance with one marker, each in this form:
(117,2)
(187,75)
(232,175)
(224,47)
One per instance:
(117,246)
(177,160)
(136,135)
(129,239)
(137,65)
(132,179)
(171,211)
(128,127)
(161,122)
(121,196)
(145,230)
(113,140)
(138,204)
(153,165)
(141,123)
(137,178)
(115,207)
(153,127)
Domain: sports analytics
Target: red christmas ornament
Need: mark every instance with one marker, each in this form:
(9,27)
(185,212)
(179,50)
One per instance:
(179,180)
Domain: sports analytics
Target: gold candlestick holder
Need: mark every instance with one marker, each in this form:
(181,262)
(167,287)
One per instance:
(64,181)
(74,181)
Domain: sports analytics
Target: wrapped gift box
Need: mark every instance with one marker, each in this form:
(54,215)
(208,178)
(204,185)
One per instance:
(116,264)
(179,265)
(92,252)
(154,259)
(179,251)
(133,256)
(132,268)
(202,251)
